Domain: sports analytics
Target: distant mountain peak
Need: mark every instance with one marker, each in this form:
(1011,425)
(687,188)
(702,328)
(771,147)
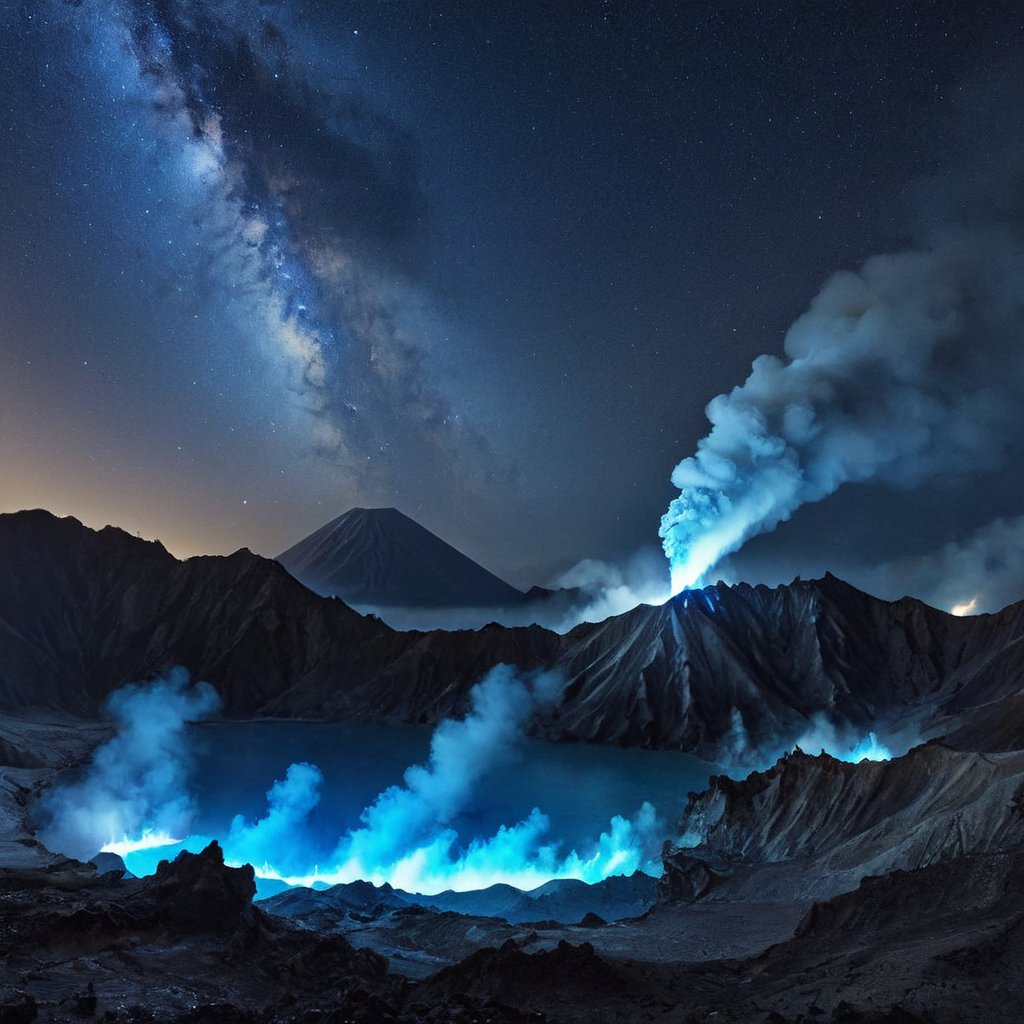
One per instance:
(382,557)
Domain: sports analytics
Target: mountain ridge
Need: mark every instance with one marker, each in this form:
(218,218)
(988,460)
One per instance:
(735,671)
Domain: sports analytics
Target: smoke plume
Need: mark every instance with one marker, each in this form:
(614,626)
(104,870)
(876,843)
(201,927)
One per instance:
(284,830)
(843,743)
(406,838)
(136,782)
(893,373)
(905,369)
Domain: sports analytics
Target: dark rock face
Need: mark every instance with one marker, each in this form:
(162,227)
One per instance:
(508,975)
(690,672)
(82,612)
(686,878)
(940,944)
(109,862)
(200,893)
(933,804)
(378,556)
(189,931)
(194,894)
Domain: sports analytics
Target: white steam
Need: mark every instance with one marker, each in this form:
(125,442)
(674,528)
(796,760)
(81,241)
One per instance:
(590,591)
(607,588)
(284,829)
(406,838)
(983,573)
(905,369)
(136,783)
(822,735)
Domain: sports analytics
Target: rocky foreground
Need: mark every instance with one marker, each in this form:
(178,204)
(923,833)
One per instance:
(814,891)
(187,944)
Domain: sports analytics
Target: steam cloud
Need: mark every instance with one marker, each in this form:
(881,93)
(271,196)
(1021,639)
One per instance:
(902,370)
(825,737)
(406,838)
(136,782)
(983,573)
(135,789)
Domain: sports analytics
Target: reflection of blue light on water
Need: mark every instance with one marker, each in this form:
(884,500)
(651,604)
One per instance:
(579,787)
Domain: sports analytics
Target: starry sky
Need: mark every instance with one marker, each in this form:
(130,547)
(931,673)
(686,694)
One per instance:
(264,261)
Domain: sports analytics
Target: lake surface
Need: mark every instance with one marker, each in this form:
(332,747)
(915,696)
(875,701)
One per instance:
(580,787)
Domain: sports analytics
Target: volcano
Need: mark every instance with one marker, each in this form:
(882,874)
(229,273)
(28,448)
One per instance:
(381,557)
(904,877)
(83,611)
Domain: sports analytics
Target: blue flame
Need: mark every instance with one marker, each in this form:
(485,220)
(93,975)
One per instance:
(869,749)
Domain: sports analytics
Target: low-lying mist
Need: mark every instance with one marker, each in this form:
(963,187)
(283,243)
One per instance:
(405,836)
(590,591)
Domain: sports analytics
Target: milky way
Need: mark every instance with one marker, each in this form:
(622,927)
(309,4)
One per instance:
(262,261)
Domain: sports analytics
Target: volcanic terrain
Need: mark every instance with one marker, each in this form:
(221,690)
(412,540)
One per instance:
(813,889)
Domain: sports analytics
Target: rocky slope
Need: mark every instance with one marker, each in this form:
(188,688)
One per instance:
(81,612)
(184,944)
(379,556)
(736,672)
(188,945)
(755,664)
(950,954)
(815,826)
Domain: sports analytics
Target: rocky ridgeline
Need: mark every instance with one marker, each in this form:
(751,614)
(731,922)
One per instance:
(829,823)
(82,612)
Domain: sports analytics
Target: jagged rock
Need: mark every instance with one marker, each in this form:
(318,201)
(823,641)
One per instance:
(197,891)
(686,878)
(106,862)
(842,821)
(82,612)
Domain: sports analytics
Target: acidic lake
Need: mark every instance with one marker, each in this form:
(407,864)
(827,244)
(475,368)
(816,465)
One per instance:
(579,787)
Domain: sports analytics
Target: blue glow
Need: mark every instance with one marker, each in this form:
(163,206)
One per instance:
(869,749)
(144,860)
(406,836)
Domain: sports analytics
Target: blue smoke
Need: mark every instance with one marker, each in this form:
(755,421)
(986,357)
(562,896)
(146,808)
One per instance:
(134,800)
(406,838)
(134,793)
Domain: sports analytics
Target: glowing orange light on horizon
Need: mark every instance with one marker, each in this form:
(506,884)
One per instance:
(965,608)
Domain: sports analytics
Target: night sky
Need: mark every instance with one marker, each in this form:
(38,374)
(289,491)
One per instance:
(486,262)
